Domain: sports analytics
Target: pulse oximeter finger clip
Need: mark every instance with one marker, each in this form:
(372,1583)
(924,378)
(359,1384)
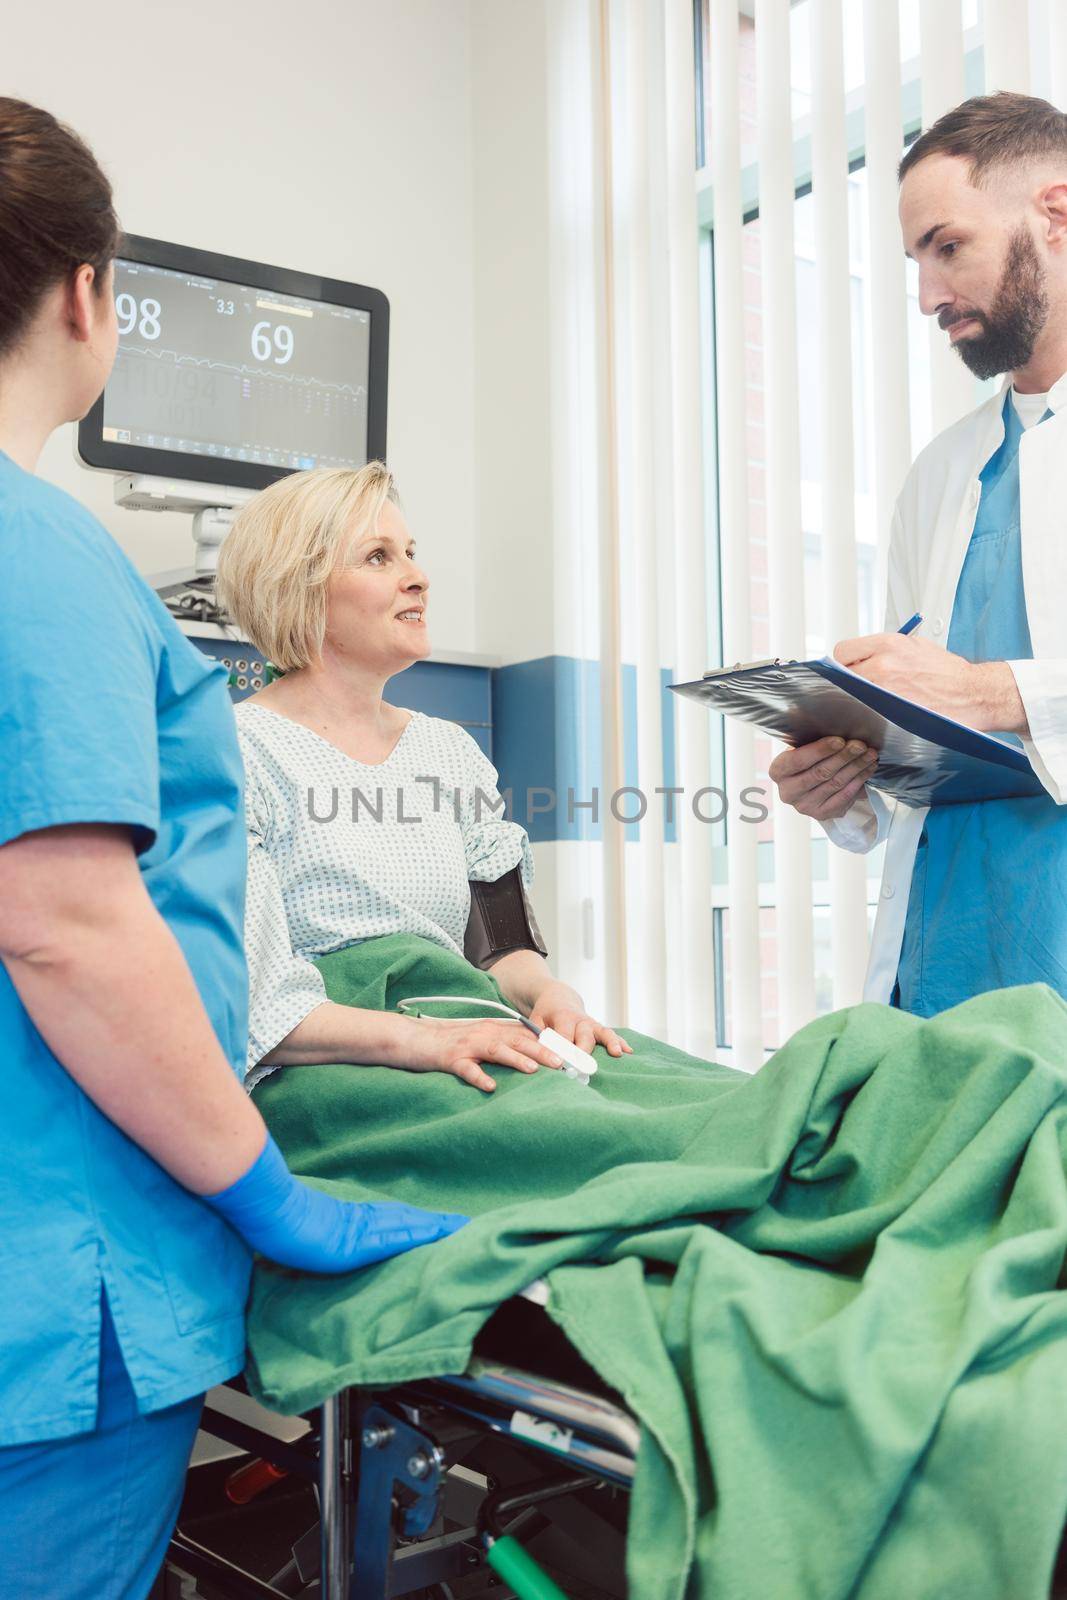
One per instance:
(577,1063)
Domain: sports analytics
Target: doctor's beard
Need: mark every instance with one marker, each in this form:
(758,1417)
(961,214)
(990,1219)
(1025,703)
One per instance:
(1017,316)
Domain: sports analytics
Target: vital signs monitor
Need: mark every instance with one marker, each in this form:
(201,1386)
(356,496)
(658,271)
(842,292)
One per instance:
(235,373)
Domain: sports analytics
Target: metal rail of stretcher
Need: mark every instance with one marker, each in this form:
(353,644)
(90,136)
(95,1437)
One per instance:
(380,1472)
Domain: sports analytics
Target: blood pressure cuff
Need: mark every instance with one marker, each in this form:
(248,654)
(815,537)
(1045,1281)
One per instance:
(501,920)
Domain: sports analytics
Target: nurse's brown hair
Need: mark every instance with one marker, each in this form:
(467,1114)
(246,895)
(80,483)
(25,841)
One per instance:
(56,213)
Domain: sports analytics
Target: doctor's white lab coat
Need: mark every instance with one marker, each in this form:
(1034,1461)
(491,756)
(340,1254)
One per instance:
(932,526)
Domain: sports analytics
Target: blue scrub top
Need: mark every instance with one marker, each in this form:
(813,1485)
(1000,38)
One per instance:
(109,715)
(988,901)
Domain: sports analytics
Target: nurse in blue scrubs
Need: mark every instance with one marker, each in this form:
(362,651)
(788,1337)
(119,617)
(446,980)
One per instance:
(136,1177)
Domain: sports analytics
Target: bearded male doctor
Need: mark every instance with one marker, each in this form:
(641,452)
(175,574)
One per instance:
(974,897)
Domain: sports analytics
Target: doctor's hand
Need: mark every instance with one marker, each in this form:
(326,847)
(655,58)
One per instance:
(982,694)
(560,1007)
(297,1226)
(824,778)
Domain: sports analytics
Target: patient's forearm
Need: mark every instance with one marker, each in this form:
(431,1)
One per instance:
(523,977)
(334,1032)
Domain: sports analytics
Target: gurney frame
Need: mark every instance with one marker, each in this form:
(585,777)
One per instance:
(380,1463)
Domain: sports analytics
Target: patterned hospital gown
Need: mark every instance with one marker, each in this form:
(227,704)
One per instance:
(339,851)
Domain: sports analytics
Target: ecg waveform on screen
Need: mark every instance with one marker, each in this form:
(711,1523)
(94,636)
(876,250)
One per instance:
(356,391)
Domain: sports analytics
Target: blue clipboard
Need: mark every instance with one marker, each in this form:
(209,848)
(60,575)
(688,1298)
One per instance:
(924,758)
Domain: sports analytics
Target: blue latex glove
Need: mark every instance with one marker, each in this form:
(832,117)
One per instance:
(297,1226)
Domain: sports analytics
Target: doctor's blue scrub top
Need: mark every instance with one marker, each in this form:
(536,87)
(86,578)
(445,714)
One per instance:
(988,901)
(109,715)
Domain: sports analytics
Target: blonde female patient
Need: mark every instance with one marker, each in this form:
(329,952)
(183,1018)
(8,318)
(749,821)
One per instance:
(366,820)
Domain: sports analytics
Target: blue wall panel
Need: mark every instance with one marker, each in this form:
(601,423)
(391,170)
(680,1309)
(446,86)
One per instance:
(547,748)
(443,689)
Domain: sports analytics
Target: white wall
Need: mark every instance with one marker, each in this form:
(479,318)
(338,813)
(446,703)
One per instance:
(535,405)
(513,345)
(333,138)
(420,146)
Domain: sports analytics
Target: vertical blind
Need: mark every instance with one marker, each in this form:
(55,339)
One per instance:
(732,476)
(943,86)
(651,575)
(785,547)
(829,173)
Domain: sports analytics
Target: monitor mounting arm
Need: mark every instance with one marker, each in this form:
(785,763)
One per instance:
(213,509)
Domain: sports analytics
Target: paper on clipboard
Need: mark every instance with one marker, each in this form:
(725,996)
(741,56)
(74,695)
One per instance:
(924,758)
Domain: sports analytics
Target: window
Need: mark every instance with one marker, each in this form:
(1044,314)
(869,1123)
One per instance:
(863,379)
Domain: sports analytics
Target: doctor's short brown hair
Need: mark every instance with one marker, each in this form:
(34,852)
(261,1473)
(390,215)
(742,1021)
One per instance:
(992,131)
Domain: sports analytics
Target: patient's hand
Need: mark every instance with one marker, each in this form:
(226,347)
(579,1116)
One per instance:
(461,1047)
(560,1007)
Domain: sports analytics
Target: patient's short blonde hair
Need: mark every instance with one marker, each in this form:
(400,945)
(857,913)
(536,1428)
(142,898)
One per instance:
(283,548)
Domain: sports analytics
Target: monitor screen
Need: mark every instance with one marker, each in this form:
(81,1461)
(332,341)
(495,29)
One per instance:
(236,373)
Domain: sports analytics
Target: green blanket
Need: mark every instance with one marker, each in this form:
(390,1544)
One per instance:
(830,1292)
